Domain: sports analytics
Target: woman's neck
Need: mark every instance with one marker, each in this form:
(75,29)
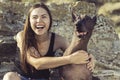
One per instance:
(42,38)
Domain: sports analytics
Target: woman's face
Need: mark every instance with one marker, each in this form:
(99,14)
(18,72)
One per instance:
(39,21)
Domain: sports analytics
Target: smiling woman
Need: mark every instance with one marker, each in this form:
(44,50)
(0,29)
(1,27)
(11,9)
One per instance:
(40,20)
(37,48)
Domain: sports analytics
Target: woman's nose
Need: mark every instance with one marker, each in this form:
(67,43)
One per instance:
(39,20)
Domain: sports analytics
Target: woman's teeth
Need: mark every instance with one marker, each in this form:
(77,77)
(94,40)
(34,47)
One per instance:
(39,27)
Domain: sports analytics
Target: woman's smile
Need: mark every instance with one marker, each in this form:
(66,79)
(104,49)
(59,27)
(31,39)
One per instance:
(39,27)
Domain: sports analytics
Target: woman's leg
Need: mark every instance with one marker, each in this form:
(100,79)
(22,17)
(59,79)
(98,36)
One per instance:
(11,76)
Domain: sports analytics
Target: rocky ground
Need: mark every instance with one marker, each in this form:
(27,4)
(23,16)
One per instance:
(5,67)
(104,43)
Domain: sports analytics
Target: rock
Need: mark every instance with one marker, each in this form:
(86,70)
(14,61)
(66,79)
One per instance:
(7,49)
(104,43)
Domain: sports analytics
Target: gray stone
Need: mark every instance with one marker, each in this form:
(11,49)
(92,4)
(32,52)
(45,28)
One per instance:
(104,43)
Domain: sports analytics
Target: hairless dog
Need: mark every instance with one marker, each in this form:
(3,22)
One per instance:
(82,33)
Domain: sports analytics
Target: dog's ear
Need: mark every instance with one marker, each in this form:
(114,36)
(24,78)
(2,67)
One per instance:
(94,19)
(74,17)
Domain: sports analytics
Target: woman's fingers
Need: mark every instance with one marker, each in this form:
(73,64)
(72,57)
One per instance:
(91,63)
(79,57)
(90,66)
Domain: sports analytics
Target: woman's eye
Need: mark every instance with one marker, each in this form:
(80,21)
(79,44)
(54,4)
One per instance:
(44,17)
(34,17)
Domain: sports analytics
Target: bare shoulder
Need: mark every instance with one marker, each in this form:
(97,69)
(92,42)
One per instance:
(19,36)
(60,38)
(61,41)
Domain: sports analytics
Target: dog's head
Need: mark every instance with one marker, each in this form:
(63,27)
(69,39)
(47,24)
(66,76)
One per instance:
(84,24)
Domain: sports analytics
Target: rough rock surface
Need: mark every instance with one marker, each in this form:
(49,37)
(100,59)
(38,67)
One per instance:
(104,43)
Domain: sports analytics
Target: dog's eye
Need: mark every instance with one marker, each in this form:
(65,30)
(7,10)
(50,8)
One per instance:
(78,24)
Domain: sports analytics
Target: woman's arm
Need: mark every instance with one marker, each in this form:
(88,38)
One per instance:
(47,62)
(79,57)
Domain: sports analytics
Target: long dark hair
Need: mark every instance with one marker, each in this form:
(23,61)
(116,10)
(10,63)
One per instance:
(28,36)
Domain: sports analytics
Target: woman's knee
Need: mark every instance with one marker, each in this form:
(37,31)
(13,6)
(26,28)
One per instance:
(11,76)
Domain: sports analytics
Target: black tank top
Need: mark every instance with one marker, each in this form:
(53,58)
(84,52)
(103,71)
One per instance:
(37,74)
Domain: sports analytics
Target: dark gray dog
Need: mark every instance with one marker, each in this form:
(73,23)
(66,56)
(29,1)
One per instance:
(84,27)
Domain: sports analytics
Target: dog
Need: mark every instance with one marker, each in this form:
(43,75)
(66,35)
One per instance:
(83,31)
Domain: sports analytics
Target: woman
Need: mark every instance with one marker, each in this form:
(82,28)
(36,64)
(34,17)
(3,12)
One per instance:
(37,47)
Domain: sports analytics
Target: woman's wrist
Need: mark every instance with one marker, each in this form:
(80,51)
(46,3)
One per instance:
(68,59)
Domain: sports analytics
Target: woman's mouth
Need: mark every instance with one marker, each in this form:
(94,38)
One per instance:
(39,27)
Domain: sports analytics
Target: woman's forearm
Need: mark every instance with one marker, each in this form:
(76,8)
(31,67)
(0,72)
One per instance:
(79,57)
(48,62)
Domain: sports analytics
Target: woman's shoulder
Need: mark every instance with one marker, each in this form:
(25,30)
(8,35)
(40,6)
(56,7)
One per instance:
(61,41)
(59,37)
(19,35)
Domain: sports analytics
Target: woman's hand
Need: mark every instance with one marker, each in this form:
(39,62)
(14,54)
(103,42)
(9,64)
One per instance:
(91,63)
(79,57)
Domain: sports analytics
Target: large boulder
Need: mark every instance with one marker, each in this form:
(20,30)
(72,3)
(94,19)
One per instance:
(104,43)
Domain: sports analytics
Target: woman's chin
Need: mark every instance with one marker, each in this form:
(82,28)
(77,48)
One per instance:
(39,33)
